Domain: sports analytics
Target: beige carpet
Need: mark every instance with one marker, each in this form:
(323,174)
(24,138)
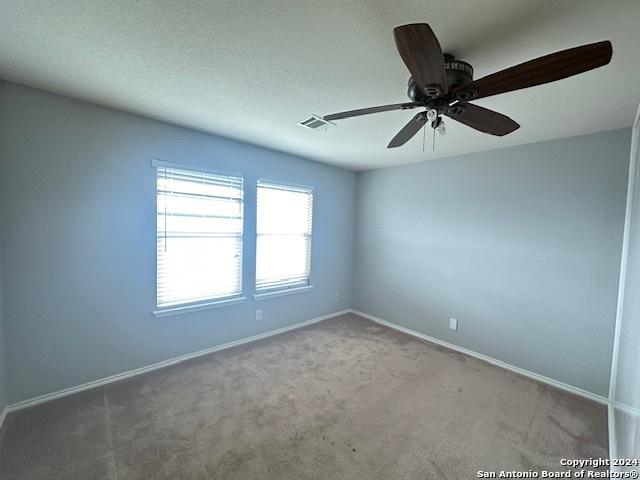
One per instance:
(342,399)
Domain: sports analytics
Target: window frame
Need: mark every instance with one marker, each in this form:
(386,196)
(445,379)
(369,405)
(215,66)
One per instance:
(214,302)
(266,293)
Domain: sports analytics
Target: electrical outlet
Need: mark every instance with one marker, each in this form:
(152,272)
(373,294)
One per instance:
(453,324)
(258,314)
(336,298)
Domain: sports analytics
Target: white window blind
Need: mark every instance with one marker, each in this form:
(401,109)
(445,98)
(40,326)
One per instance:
(283,248)
(199,232)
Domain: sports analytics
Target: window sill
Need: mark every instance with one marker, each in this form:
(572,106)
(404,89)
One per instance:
(166,312)
(280,293)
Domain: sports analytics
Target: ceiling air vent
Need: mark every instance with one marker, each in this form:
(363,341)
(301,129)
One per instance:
(314,122)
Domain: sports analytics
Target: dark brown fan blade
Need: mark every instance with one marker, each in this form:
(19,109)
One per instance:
(549,68)
(421,53)
(409,130)
(482,119)
(367,111)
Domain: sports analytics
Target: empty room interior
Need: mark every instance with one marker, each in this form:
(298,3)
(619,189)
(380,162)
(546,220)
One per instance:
(290,240)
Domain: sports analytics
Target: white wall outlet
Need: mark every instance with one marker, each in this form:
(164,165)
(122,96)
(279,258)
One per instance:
(336,298)
(258,314)
(453,324)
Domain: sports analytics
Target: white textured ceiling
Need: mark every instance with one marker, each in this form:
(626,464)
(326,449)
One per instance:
(251,70)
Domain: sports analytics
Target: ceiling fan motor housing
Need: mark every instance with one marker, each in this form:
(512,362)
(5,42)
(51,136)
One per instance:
(458,73)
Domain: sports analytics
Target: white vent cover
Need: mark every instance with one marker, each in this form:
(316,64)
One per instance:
(314,122)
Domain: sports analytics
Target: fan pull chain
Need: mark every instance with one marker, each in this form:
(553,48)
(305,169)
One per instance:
(433,146)
(424,135)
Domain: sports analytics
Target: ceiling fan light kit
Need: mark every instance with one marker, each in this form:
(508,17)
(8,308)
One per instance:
(444,85)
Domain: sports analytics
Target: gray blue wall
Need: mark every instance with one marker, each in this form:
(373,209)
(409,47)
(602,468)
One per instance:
(77,206)
(521,245)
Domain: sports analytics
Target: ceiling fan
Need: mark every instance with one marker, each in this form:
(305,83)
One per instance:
(444,85)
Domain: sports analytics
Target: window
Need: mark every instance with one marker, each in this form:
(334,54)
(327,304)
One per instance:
(199,236)
(283,249)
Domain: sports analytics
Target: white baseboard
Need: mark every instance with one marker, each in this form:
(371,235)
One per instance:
(3,415)
(139,371)
(491,360)
(156,366)
(625,408)
(613,444)
(611,424)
